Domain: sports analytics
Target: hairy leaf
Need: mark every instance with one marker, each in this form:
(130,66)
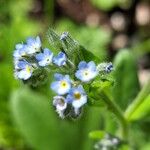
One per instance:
(127,84)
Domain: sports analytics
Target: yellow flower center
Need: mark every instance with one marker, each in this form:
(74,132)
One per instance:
(63,84)
(28,69)
(77,95)
(24,54)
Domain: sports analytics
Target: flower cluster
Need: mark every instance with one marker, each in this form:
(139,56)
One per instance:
(30,57)
(108,142)
(71,92)
(69,85)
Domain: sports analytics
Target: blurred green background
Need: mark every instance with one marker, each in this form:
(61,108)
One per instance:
(113,30)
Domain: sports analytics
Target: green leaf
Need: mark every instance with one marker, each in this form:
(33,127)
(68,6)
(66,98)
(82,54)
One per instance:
(105,83)
(143,109)
(39,123)
(126,85)
(42,128)
(98,134)
(141,105)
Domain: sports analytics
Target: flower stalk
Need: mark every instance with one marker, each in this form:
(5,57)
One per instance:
(113,107)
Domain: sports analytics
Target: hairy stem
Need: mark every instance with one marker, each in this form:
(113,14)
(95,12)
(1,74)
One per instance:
(113,107)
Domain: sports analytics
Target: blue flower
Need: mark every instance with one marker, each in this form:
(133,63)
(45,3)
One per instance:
(109,67)
(77,97)
(86,71)
(105,67)
(63,35)
(34,45)
(44,58)
(21,50)
(62,84)
(24,71)
(60,59)
(60,104)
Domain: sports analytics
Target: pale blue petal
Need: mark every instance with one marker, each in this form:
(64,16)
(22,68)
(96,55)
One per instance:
(79,74)
(82,65)
(30,40)
(47,51)
(22,64)
(16,53)
(40,56)
(58,76)
(38,40)
(80,88)
(23,50)
(24,75)
(42,63)
(67,78)
(69,98)
(19,46)
(60,59)
(91,65)
(55,86)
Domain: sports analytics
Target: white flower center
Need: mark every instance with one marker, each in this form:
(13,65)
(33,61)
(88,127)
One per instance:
(61,102)
(47,59)
(86,72)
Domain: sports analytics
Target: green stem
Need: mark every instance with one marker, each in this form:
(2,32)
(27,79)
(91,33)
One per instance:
(113,107)
(138,101)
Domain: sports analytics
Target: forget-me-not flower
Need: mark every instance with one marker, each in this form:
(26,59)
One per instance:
(20,51)
(34,45)
(109,67)
(24,71)
(44,58)
(60,59)
(77,97)
(63,35)
(60,104)
(105,67)
(86,71)
(62,84)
